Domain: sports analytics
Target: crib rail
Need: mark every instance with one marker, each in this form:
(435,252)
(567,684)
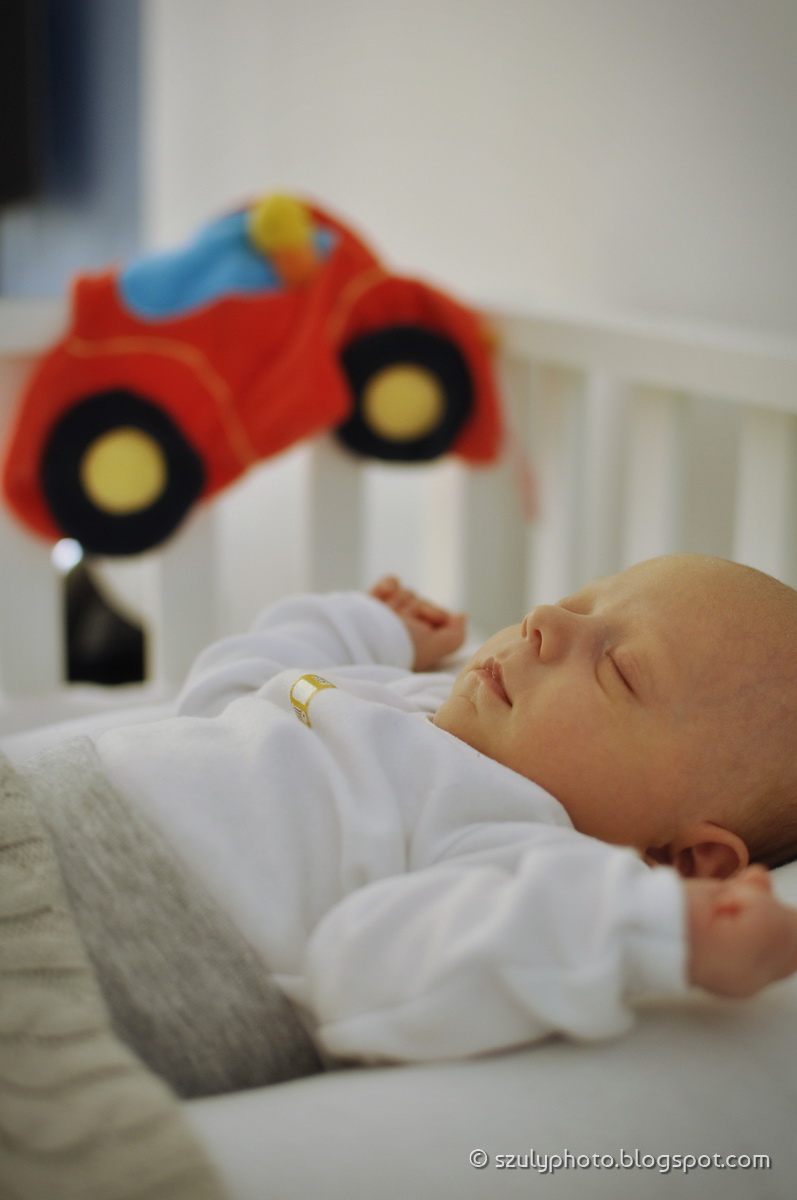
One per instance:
(643,439)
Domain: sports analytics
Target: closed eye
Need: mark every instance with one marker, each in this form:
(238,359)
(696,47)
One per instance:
(621,674)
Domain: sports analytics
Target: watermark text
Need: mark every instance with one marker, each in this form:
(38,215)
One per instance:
(567,1160)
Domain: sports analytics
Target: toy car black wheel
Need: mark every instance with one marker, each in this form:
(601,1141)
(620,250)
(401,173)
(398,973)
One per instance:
(412,393)
(118,474)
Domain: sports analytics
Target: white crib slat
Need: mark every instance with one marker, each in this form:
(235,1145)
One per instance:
(603,416)
(411,521)
(494,534)
(31,599)
(183,599)
(27,324)
(577,449)
(445,536)
(393,522)
(335,518)
(493,546)
(556,454)
(651,509)
(31,590)
(765,492)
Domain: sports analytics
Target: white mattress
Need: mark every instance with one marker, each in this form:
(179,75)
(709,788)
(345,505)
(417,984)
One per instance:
(700,1078)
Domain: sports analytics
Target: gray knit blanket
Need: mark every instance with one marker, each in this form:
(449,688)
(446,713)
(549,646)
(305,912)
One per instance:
(122,988)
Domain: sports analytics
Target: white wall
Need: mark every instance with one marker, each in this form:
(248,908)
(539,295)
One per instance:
(624,154)
(588,155)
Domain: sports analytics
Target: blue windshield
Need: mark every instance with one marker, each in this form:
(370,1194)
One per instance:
(220,261)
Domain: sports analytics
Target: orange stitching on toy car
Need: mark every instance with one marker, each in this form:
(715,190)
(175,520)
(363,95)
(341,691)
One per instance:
(348,297)
(237,436)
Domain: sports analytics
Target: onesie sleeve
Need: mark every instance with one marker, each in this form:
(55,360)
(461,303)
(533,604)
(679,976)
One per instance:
(308,632)
(471,955)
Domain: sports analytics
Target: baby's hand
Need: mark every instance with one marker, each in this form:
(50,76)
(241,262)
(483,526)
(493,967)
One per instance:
(435,632)
(741,937)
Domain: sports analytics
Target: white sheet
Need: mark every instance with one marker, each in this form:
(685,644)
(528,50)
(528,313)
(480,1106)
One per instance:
(701,1078)
(704,1077)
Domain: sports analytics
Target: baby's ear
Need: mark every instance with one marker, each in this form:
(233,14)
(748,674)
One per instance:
(704,851)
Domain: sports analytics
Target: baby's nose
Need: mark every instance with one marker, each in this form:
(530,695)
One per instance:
(554,629)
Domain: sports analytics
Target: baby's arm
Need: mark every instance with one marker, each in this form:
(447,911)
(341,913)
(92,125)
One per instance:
(519,932)
(435,632)
(311,633)
(741,937)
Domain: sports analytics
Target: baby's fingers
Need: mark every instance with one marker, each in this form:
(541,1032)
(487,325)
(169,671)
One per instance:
(384,588)
(408,603)
(452,634)
(425,610)
(391,591)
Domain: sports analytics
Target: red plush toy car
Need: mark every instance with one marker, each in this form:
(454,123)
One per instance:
(179,371)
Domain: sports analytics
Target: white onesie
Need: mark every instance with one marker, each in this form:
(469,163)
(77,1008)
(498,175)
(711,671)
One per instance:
(417,899)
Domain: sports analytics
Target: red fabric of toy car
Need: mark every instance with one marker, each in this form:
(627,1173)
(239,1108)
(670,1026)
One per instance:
(274,324)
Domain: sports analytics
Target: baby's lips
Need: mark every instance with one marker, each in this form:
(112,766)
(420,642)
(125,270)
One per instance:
(494,668)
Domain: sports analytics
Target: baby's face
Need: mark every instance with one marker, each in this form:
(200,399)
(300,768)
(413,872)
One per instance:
(626,701)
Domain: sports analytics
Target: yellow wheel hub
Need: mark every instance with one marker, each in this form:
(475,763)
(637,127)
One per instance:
(403,403)
(123,471)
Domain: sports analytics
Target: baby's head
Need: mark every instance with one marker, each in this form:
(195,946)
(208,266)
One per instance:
(659,706)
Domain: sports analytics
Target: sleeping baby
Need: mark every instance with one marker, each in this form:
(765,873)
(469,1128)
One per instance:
(429,866)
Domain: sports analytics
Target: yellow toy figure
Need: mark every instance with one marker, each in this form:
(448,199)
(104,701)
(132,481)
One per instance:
(281,227)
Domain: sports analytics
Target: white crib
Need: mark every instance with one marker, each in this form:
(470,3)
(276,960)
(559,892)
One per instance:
(643,439)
